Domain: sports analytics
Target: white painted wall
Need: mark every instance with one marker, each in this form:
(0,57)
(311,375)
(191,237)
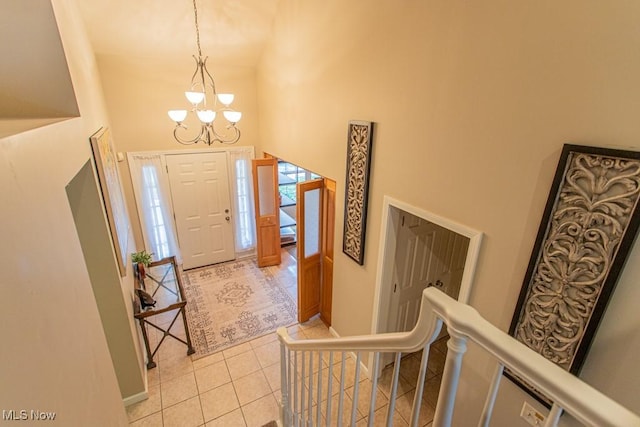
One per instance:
(23,104)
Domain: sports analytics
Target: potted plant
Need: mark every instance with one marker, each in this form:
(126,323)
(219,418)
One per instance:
(142,259)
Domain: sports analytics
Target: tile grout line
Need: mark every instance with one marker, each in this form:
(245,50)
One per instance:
(244,419)
(195,378)
(301,332)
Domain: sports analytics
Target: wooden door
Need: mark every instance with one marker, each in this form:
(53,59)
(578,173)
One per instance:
(202,207)
(309,223)
(328,226)
(267,208)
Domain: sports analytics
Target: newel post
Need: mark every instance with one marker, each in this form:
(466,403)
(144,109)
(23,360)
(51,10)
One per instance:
(285,409)
(457,346)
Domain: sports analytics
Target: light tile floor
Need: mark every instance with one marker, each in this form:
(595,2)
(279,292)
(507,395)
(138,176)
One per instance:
(240,386)
(235,387)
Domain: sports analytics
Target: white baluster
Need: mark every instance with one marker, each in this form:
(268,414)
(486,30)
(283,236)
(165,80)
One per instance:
(374,388)
(394,390)
(296,410)
(329,387)
(456,345)
(284,385)
(302,402)
(291,381)
(319,394)
(310,405)
(554,416)
(485,418)
(356,388)
(417,398)
(341,397)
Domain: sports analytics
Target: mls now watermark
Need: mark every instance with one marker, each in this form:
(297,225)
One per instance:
(27,415)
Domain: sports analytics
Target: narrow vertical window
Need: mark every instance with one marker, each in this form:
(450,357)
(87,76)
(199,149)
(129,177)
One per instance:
(245,236)
(153,205)
(151,190)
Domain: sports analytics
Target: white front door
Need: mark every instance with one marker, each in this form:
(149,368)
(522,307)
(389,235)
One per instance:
(202,207)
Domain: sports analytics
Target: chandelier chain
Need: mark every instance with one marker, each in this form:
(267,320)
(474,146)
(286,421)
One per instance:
(195,14)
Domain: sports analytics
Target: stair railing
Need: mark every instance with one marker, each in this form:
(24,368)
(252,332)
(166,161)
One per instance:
(308,397)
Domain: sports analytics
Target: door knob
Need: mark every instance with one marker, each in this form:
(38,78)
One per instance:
(227,218)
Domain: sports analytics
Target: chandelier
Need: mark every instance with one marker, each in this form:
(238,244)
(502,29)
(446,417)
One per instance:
(203,87)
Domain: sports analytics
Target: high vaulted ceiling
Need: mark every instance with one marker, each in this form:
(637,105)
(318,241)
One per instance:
(231,31)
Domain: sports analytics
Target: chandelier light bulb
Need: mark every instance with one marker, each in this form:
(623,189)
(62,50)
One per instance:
(177,116)
(206,116)
(232,116)
(225,98)
(194,97)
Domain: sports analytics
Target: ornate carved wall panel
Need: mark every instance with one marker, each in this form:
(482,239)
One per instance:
(588,228)
(357,187)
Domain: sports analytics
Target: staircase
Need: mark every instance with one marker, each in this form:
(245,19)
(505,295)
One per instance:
(311,393)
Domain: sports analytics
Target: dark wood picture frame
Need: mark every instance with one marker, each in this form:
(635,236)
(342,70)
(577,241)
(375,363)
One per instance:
(359,146)
(112,194)
(588,228)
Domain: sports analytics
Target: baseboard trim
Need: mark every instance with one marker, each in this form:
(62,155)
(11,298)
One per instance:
(139,397)
(143,395)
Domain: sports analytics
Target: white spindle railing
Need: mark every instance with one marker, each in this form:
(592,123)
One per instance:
(568,393)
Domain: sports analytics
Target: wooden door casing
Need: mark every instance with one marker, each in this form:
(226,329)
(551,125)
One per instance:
(328,227)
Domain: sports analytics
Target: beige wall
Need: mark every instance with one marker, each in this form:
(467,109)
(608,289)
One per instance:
(140,91)
(112,294)
(472,103)
(23,104)
(54,356)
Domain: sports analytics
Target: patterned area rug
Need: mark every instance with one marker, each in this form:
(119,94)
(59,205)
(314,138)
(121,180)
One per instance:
(234,302)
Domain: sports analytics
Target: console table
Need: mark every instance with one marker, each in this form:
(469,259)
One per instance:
(163,281)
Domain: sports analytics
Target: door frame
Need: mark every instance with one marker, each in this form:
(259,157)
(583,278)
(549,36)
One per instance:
(328,254)
(126,172)
(328,227)
(391,212)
